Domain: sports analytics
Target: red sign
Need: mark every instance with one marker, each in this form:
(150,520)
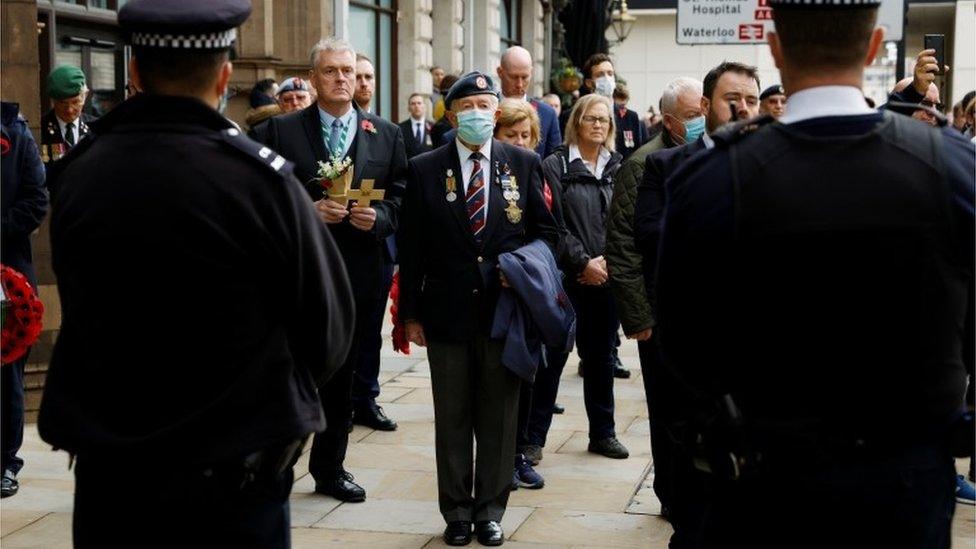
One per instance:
(764,14)
(751,31)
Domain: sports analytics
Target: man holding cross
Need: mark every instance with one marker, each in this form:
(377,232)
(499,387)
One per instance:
(360,217)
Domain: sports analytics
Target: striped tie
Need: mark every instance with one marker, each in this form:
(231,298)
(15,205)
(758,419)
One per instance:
(475,198)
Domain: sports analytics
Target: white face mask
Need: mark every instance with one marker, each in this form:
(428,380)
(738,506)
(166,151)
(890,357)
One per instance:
(605,86)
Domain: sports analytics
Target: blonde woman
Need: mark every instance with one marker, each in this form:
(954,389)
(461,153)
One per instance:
(580,174)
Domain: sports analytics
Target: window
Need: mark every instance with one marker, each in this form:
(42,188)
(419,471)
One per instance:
(372,28)
(509,29)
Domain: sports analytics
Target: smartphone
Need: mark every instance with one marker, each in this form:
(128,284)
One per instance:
(937,42)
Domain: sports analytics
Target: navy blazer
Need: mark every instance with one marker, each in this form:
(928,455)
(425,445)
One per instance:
(448,281)
(534,311)
(24,200)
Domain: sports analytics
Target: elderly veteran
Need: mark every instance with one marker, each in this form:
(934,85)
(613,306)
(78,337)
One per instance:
(64,125)
(466,203)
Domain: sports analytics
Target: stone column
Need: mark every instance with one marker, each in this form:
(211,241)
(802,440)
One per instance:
(20,58)
(534,39)
(486,41)
(416,52)
(448,35)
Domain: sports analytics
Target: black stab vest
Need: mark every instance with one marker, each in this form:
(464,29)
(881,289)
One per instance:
(850,295)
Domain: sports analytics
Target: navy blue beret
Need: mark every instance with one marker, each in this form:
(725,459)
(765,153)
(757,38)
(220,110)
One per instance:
(772,90)
(184,24)
(473,83)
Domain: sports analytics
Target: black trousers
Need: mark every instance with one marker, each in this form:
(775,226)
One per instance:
(329,447)
(524,410)
(202,507)
(12,414)
(596,332)
(365,380)
(860,503)
(475,400)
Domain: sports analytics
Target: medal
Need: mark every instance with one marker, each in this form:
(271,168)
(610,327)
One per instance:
(513,212)
(628,138)
(450,186)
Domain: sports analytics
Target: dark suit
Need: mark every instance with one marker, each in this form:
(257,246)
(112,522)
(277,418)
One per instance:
(450,284)
(24,203)
(53,146)
(378,155)
(410,139)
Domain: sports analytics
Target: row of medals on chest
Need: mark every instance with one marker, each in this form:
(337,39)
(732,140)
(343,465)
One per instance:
(509,186)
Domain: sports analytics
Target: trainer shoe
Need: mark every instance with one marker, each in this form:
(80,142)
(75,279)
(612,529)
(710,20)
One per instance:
(965,493)
(8,484)
(609,447)
(527,477)
(532,452)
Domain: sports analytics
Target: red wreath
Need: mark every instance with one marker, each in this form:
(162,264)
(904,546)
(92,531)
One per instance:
(400,342)
(22,312)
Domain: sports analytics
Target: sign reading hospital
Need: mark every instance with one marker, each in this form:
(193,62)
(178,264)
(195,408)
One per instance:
(747,21)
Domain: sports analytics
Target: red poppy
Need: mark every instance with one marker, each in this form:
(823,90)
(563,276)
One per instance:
(4,146)
(400,342)
(368,126)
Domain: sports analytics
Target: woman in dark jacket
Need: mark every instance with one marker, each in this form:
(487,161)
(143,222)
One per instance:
(580,175)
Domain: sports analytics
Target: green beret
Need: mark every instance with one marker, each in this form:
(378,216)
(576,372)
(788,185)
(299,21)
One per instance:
(64,82)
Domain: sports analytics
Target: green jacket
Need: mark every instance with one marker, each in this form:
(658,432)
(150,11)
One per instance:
(624,260)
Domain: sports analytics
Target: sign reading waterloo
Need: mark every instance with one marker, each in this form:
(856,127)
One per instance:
(747,21)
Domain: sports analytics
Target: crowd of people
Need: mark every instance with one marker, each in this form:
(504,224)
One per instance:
(795,265)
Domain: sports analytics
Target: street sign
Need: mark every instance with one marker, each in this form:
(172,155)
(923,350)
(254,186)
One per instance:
(747,21)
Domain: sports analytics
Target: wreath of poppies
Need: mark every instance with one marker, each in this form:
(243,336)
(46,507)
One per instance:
(400,342)
(21,319)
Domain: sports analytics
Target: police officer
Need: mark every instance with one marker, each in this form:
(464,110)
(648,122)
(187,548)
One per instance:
(65,124)
(812,287)
(202,300)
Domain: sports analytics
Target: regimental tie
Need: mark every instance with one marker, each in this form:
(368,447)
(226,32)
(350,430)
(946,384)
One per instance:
(69,134)
(335,144)
(475,197)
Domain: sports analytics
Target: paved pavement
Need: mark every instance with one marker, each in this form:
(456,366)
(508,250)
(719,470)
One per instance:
(588,501)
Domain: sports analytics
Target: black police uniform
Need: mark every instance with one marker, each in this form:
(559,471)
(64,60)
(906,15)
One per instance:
(813,282)
(202,301)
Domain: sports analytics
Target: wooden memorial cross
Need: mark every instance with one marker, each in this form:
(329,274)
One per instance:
(365,194)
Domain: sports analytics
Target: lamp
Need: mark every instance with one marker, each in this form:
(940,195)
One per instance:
(621,20)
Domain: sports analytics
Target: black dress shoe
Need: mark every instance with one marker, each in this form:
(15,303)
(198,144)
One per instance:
(620,372)
(490,533)
(374,418)
(8,484)
(457,533)
(558,408)
(342,488)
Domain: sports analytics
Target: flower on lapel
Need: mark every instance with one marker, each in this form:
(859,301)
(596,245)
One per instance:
(368,126)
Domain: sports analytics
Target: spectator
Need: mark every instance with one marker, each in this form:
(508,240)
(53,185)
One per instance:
(580,174)
(442,125)
(932,107)
(365,82)
(772,101)
(652,123)
(959,116)
(416,129)
(263,93)
(436,75)
(294,94)
(630,129)
(553,101)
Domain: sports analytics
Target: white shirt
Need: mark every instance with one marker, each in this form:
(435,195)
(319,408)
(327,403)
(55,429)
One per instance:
(709,142)
(464,154)
(422,124)
(824,101)
(601,160)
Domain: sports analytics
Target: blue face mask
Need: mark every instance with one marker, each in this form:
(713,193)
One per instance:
(694,129)
(476,126)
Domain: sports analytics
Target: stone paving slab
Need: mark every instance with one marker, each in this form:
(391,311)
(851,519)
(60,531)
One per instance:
(408,516)
(567,528)
(318,538)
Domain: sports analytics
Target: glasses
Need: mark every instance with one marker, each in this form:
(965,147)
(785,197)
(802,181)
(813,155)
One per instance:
(931,104)
(594,120)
